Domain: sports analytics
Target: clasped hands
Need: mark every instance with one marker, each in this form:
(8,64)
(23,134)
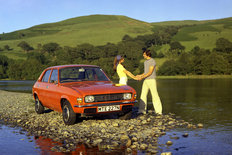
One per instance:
(138,77)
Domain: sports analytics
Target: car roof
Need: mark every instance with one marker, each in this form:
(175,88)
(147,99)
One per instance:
(75,65)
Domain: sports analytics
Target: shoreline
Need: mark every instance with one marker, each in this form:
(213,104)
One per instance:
(166,77)
(140,133)
(196,77)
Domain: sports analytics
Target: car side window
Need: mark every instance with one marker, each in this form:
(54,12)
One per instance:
(54,76)
(46,76)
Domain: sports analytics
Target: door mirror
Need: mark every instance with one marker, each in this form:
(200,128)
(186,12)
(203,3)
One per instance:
(54,81)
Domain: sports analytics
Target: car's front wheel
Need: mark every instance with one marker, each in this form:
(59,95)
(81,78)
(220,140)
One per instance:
(69,116)
(39,108)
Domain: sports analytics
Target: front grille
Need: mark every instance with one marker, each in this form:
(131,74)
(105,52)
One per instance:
(90,110)
(108,97)
(126,108)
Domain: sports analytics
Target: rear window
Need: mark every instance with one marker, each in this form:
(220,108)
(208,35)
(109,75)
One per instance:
(54,76)
(46,76)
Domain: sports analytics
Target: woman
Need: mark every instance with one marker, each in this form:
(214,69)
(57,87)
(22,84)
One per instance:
(122,72)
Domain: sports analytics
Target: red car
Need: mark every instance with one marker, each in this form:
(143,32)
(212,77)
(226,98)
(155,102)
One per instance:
(81,90)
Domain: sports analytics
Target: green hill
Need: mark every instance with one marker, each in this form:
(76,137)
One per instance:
(178,23)
(94,29)
(201,33)
(101,29)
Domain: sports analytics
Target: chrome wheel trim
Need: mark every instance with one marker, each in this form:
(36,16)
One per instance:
(37,104)
(66,113)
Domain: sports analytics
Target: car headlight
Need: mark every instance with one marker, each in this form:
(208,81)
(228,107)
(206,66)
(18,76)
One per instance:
(127,96)
(89,99)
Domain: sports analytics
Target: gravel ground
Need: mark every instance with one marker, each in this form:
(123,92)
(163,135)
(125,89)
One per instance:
(138,133)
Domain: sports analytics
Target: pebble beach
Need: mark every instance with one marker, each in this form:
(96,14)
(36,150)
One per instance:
(140,133)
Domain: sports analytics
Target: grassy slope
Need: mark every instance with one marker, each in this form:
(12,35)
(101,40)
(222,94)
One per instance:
(94,29)
(200,33)
(101,29)
(178,23)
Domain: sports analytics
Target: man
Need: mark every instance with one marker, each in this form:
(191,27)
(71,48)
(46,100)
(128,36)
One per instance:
(149,84)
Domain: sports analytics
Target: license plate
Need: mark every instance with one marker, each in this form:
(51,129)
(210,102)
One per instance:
(109,108)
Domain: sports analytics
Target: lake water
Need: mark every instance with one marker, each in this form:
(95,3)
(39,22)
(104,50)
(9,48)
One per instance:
(207,101)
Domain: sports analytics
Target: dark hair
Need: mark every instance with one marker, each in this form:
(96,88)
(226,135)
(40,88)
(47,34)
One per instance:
(116,61)
(148,52)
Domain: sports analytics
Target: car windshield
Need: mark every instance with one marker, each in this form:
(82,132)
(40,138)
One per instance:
(75,74)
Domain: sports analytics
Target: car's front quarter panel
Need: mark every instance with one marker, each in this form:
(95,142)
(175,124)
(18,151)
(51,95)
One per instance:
(70,95)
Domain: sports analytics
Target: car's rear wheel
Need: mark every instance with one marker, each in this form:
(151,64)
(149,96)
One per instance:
(69,116)
(39,108)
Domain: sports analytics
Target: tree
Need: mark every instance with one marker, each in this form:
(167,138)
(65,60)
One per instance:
(7,47)
(175,49)
(196,50)
(223,45)
(37,56)
(176,46)
(88,51)
(185,64)
(15,70)
(109,50)
(25,46)
(51,48)
(127,38)
(4,62)
(228,57)
(169,67)
(213,63)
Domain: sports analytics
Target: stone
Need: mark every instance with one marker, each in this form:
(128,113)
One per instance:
(128,150)
(128,144)
(200,125)
(97,141)
(185,135)
(103,130)
(166,153)
(115,124)
(133,147)
(134,139)
(169,143)
(124,137)
(144,122)
(143,146)
(103,125)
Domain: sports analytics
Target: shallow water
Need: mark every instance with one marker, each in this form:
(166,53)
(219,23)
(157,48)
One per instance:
(16,86)
(207,101)
(14,141)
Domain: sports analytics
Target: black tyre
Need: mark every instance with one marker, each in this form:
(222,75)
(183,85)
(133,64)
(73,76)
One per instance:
(69,116)
(39,108)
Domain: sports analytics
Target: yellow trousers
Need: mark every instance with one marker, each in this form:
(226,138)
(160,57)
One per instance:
(150,84)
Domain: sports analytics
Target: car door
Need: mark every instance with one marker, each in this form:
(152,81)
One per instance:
(43,88)
(53,95)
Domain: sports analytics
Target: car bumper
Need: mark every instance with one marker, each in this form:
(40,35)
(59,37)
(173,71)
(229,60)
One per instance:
(93,108)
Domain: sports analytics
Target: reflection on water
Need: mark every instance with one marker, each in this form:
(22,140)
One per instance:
(207,101)
(46,145)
